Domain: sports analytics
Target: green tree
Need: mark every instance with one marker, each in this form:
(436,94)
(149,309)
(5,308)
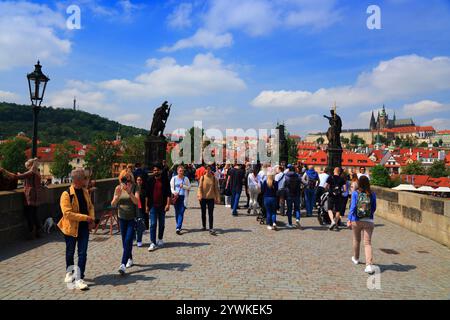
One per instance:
(320,140)
(438,170)
(101,158)
(436,144)
(355,140)
(414,168)
(134,149)
(345,140)
(12,155)
(423,145)
(292,151)
(61,167)
(380,177)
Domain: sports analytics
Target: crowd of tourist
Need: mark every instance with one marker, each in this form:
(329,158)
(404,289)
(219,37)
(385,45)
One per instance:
(143,198)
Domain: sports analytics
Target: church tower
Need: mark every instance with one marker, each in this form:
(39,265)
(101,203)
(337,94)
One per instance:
(373,124)
(383,118)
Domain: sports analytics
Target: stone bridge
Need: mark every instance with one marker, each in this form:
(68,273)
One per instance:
(244,260)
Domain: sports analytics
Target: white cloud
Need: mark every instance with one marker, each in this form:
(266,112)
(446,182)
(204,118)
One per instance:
(304,121)
(88,97)
(257,18)
(181,16)
(204,39)
(438,123)
(424,107)
(6,96)
(403,77)
(205,76)
(29,32)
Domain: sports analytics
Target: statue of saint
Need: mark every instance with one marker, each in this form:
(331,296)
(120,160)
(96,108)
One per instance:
(160,119)
(334,132)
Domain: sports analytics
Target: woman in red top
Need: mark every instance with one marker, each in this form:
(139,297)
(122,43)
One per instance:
(32,185)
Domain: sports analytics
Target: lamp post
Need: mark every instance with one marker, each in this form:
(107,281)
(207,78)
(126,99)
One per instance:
(37,82)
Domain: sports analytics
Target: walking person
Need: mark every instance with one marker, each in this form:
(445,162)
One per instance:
(361,220)
(126,198)
(292,185)
(310,180)
(78,217)
(354,182)
(269,191)
(323,177)
(32,187)
(254,188)
(281,193)
(335,185)
(235,182)
(157,203)
(362,172)
(247,192)
(142,219)
(225,171)
(179,186)
(208,194)
(345,194)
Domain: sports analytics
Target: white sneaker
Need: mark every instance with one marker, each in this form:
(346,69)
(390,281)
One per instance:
(297,221)
(355,261)
(81,285)
(290,226)
(129,263)
(152,247)
(69,277)
(122,269)
(369,269)
(269,228)
(274,227)
(160,243)
(228,206)
(139,244)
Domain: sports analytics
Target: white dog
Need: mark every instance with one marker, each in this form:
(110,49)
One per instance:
(49,224)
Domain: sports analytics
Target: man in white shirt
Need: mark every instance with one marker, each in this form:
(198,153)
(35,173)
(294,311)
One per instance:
(323,177)
(362,172)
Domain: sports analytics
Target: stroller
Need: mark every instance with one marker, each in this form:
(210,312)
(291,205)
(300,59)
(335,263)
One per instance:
(261,217)
(322,215)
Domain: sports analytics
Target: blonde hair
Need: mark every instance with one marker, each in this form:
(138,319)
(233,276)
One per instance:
(126,173)
(270,179)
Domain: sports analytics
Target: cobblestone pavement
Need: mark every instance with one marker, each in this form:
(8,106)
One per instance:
(244,261)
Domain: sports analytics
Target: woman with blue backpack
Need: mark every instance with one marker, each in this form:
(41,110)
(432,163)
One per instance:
(361,220)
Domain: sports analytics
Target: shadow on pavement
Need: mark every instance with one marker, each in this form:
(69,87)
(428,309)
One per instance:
(20,246)
(185,244)
(223,231)
(397,267)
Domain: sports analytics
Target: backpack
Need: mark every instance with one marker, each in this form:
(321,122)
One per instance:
(311,183)
(293,184)
(363,206)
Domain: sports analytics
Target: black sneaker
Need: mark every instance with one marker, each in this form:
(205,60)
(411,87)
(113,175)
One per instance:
(332,226)
(178,231)
(212,232)
(204,229)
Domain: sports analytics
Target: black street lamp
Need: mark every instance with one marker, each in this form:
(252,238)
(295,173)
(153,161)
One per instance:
(37,82)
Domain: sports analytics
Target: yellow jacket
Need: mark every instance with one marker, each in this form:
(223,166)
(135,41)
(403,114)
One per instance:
(70,210)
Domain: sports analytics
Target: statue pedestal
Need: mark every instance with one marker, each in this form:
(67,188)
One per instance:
(334,157)
(155,150)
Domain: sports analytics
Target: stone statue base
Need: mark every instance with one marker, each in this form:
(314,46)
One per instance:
(155,150)
(334,157)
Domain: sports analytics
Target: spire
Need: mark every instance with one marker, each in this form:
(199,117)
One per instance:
(74,103)
(372,122)
(395,118)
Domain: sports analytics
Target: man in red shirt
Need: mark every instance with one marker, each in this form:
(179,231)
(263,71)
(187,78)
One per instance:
(157,203)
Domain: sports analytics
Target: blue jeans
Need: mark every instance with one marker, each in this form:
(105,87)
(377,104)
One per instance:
(140,227)
(235,196)
(157,218)
(271,207)
(310,198)
(127,229)
(179,212)
(71,243)
(293,203)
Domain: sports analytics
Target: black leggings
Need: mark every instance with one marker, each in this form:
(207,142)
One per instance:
(32,218)
(210,204)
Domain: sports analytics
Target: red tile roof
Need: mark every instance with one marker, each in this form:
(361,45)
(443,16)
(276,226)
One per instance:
(408,129)
(422,180)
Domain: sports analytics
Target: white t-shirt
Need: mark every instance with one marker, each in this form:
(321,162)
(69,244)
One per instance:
(280,178)
(363,174)
(323,177)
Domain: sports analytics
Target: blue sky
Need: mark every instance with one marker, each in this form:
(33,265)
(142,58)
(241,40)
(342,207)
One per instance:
(234,63)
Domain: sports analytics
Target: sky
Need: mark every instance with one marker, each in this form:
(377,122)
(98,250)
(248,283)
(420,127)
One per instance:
(233,63)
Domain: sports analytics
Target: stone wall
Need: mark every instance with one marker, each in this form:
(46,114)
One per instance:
(12,220)
(425,215)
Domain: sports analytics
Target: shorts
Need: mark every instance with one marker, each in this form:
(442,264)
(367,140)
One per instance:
(335,204)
